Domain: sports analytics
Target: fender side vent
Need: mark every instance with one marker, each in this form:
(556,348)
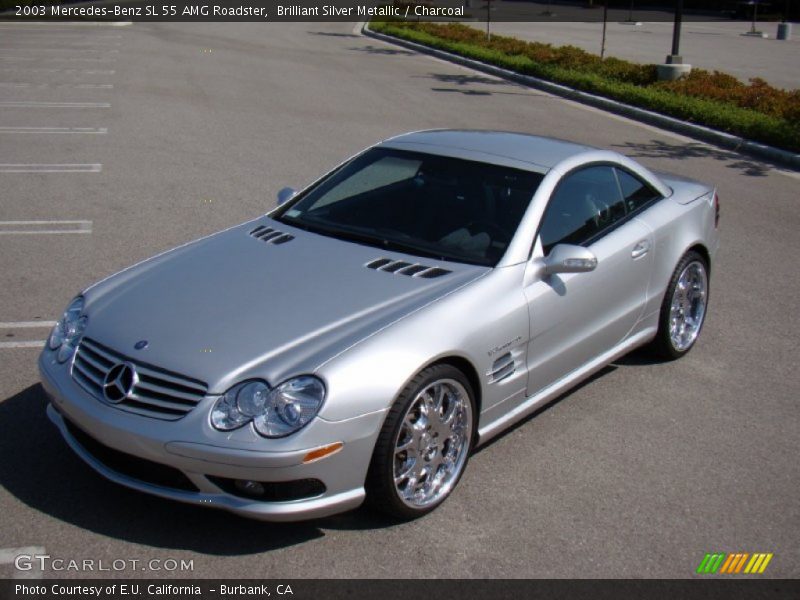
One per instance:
(401,267)
(270,235)
(501,368)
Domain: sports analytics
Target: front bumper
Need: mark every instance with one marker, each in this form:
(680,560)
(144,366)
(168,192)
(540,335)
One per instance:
(203,456)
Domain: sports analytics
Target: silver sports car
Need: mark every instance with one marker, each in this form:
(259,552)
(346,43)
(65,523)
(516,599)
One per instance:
(361,339)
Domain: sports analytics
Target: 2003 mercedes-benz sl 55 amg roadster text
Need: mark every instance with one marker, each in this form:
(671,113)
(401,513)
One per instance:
(363,337)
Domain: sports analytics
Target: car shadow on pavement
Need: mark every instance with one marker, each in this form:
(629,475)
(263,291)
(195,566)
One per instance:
(382,51)
(334,34)
(471,92)
(550,405)
(460,81)
(466,92)
(692,150)
(40,470)
(639,358)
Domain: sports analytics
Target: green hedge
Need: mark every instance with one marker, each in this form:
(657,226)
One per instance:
(772,116)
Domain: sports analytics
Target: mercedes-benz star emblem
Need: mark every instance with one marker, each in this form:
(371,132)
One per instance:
(141,344)
(119,382)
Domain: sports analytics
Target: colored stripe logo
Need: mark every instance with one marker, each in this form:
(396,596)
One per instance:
(734,563)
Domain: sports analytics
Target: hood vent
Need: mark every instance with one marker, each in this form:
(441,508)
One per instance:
(270,235)
(401,267)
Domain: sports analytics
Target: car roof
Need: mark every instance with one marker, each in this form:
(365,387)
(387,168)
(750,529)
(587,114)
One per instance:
(508,147)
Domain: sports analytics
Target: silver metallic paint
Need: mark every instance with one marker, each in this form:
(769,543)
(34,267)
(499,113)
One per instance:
(228,308)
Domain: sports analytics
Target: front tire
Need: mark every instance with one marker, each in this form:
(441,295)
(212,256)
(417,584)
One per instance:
(683,310)
(424,445)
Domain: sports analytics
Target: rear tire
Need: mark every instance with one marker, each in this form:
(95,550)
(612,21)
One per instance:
(424,445)
(683,309)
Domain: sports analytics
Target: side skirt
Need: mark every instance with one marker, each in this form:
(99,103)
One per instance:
(490,430)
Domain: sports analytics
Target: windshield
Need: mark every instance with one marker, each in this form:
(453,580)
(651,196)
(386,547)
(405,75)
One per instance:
(422,204)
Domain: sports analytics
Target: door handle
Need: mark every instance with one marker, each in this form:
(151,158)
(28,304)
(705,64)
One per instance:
(640,249)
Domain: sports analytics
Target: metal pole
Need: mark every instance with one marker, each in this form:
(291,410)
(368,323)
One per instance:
(755,16)
(488,19)
(605,22)
(676,30)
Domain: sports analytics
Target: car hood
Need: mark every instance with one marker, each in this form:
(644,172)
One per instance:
(232,306)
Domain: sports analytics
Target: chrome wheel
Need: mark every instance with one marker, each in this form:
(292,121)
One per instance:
(688,306)
(432,445)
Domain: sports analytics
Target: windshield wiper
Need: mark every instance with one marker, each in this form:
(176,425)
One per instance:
(360,237)
(343,234)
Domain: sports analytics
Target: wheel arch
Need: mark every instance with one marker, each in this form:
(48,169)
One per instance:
(701,249)
(374,481)
(470,372)
(661,346)
(462,364)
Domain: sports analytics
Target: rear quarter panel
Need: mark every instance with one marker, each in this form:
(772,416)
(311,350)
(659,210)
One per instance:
(679,222)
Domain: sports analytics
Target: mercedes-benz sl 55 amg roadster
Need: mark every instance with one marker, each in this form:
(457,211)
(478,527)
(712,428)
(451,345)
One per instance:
(362,338)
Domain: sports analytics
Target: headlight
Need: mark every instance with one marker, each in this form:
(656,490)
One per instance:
(291,405)
(69,330)
(274,412)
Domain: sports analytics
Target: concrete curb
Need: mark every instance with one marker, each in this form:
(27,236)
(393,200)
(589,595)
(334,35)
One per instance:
(705,134)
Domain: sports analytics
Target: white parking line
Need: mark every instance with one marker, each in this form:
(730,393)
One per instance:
(32,104)
(38,168)
(58,58)
(26,45)
(36,49)
(46,232)
(26,324)
(28,36)
(93,130)
(54,70)
(8,556)
(30,344)
(70,86)
(44,227)
(24,343)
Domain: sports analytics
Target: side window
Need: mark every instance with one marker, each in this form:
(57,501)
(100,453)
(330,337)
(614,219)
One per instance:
(584,204)
(637,193)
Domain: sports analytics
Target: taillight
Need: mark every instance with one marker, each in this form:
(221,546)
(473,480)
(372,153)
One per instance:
(716,210)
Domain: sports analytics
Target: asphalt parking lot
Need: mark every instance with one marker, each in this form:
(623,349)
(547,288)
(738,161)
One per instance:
(118,142)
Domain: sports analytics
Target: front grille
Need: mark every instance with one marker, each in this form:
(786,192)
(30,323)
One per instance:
(134,467)
(157,393)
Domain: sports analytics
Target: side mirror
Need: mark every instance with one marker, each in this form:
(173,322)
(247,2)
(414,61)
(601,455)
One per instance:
(566,258)
(285,195)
